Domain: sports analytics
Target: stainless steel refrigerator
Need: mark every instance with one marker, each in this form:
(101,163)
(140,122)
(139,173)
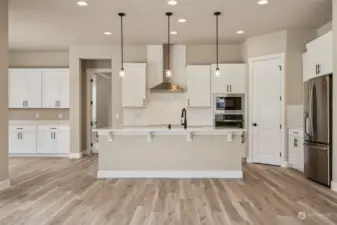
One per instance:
(318,129)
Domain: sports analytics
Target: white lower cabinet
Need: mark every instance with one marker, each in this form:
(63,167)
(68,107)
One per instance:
(39,140)
(22,139)
(53,140)
(296,149)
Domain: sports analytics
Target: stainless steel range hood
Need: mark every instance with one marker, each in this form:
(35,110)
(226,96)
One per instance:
(166,86)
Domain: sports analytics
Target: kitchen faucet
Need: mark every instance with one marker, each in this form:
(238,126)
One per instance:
(184,118)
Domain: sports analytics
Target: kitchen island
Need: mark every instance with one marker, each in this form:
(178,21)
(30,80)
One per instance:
(159,152)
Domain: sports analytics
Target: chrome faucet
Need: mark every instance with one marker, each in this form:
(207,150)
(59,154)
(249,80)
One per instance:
(184,118)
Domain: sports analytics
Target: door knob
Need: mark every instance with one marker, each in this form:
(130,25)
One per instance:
(254,124)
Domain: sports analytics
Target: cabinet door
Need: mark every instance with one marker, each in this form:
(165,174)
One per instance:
(55,89)
(63,141)
(22,139)
(235,75)
(325,54)
(199,86)
(219,84)
(46,140)
(24,89)
(134,85)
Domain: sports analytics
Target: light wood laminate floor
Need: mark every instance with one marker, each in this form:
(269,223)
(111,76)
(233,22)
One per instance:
(64,191)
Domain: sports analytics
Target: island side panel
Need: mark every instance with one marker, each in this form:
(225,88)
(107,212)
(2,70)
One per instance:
(170,153)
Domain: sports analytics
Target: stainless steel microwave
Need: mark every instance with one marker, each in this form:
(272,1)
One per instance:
(229,103)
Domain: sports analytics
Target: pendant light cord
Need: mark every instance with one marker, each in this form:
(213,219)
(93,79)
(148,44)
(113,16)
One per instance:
(168,38)
(217,41)
(122,40)
(122,44)
(217,14)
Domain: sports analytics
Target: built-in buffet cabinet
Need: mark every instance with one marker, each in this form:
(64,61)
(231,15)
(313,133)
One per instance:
(232,79)
(38,88)
(318,60)
(39,140)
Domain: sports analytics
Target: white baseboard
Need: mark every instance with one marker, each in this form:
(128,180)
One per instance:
(4,184)
(38,155)
(77,155)
(235,174)
(286,165)
(334,186)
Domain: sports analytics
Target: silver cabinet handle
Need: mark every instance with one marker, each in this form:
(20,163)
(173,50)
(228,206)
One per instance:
(54,135)
(21,136)
(23,103)
(26,103)
(231,88)
(144,103)
(18,135)
(188,102)
(56,104)
(227,88)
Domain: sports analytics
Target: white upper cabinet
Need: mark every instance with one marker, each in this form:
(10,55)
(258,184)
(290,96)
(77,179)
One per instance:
(134,85)
(55,88)
(24,88)
(320,56)
(199,86)
(232,79)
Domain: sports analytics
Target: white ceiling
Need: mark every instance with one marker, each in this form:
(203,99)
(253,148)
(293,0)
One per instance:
(58,24)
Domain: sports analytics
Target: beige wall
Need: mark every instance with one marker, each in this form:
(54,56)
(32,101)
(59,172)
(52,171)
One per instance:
(324,29)
(31,59)
(266,44)
(334,141)
(3,90)
(44,114)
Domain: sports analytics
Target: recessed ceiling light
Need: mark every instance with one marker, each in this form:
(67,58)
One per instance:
(173,32)
(262,2)
(240,32)
(182,20)
(172,2)
(107,33)
(82,3)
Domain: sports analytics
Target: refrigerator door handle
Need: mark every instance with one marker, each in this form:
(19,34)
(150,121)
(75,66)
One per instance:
(319,147)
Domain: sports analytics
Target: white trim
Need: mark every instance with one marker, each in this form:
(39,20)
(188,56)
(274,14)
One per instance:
(226,174)
(77,155)
(5,184)
(13,155)
(249,159)
(92,71)
(286,164)
(284,130)
(334,186)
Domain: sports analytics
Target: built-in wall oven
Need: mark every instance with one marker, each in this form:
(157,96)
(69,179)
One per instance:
(229,103)
(229,121)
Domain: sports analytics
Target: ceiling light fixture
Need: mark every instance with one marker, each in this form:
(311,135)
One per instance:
(122,72)
(240,32)
(262,2)
(173,32)
(107,33)
(82,3)
(172,2)
(168,69)
(182,20)
(217,70)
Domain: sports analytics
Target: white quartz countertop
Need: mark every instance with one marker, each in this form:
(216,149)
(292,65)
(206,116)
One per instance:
(159,129)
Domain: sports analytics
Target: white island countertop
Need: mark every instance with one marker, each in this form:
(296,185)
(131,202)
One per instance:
(163,130)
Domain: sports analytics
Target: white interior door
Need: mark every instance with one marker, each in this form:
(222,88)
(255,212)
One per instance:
(266,111)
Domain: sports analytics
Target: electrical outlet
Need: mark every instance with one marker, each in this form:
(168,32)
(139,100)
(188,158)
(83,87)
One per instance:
(60,116)
(117,116)
(37,115)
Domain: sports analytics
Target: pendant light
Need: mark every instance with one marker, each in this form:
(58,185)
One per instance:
(168,69)
(217,70)
(122,72)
